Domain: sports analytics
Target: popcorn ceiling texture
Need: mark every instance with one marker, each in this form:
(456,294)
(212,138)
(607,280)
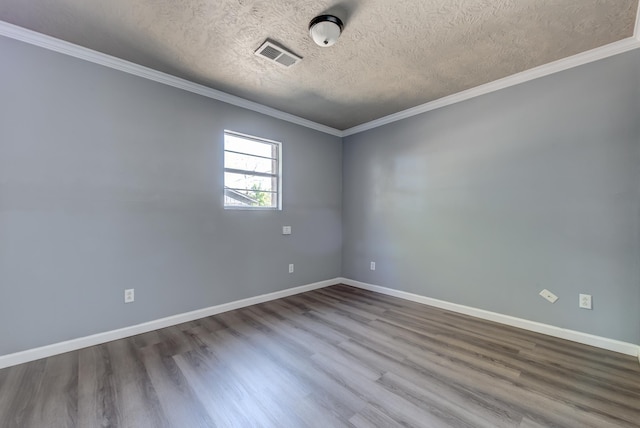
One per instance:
(393,54)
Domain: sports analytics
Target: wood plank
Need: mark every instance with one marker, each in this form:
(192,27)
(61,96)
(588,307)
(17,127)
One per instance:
(96,389)
(486,406)
(56,402)
(135,397)
(179,402)
(219,393)
(18,393)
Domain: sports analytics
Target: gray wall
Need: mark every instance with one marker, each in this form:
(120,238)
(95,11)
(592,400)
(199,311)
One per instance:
(109,181)
(486,202)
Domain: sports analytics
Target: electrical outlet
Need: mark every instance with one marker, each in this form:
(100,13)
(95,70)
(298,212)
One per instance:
(291,268)
(286,230)
(129,295)
(585,301)
(546,294)
(373,266)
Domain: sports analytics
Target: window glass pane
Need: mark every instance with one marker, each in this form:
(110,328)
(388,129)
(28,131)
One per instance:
(248,182)
(252,172)
(252,147)
(248,163)
(249,198)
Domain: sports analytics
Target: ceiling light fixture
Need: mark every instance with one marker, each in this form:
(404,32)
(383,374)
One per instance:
(325,30)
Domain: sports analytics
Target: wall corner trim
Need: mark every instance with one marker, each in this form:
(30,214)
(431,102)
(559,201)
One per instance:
(121,333)
(51,43)
(636,28)
(549,330)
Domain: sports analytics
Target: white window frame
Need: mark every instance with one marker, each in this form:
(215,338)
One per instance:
(278,176)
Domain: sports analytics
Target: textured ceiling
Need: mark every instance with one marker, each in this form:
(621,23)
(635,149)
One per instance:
(392,55)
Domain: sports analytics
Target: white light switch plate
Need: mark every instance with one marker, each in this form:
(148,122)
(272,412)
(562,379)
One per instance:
(286,230)
(546,294)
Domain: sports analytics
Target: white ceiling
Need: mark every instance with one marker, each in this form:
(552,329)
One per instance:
(392,55)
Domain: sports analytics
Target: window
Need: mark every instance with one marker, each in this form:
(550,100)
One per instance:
(252,176)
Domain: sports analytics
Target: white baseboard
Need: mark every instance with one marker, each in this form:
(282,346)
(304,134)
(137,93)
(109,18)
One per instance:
(97,339)
(550,330)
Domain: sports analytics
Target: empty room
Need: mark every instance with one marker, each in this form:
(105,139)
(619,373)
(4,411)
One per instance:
(340,213)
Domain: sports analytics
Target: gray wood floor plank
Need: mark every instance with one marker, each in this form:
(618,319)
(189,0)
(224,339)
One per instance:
(438,404)
(519,395)
(146,339)
(56,402)
(336,398)
(432,382)
(252,365)
(96,389)
(136,399)
(292,319)
(179,402)
(410,340)
(217,392)
(283,393)
(317,413)
(548,380)
(399,410)
(20,390)
(616,373)
(371,417)
(464,330)
(528,423)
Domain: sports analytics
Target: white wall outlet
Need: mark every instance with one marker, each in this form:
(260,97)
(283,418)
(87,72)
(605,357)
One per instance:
(129,295)
(290,267)
(549,295)
(286,230)
(372,266)
(585,301)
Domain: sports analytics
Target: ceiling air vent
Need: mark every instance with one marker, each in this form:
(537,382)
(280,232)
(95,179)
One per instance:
(275,53)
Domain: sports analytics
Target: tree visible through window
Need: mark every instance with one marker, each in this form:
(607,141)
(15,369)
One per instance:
(251,172)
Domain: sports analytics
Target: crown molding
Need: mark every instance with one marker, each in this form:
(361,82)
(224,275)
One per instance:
(61,46)
(515,79)
(51,43)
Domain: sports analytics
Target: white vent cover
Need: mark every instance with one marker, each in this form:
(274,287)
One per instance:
(275,53)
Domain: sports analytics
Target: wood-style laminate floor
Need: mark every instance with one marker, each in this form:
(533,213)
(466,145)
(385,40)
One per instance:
(339,356)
